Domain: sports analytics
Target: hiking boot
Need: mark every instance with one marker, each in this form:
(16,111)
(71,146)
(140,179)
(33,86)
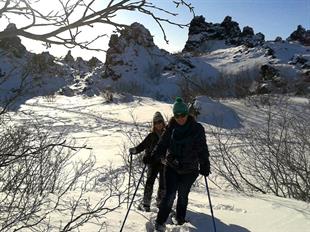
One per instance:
(178,221)
(160,227)
(143,207)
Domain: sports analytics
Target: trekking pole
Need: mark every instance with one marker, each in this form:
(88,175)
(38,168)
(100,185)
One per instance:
(207,187)
(133,197)
(130,167)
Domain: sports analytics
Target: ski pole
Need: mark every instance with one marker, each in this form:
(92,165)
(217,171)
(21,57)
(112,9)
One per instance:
(207,187)
(133,197)
(130,167)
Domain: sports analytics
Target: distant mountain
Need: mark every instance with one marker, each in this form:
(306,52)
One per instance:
(218,60)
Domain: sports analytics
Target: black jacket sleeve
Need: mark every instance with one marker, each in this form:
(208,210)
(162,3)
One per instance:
(203,150)
(162,146)
(144,144)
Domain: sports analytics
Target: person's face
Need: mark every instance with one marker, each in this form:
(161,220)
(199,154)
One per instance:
(159,125)
(181,119)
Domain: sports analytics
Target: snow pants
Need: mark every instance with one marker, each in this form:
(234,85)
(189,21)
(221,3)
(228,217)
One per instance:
(175,183)
(152,173)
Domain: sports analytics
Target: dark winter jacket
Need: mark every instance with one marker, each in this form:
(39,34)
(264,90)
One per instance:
(148,145)
(183,148)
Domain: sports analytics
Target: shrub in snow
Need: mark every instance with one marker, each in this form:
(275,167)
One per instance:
(41,180)
(273,157)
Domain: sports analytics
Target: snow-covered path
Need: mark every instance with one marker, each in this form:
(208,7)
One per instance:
(101,126)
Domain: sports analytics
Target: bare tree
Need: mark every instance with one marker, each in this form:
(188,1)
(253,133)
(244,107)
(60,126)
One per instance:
(40,176)
(65,23)
(273,158)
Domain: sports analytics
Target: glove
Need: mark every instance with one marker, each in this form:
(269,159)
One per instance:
(146,159)
(204,169)
(133,150)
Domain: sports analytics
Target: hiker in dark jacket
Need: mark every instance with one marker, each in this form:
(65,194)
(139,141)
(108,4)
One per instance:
(154,167)
(185,152)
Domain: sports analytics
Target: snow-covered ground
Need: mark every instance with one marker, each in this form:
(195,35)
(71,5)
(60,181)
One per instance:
(101,126)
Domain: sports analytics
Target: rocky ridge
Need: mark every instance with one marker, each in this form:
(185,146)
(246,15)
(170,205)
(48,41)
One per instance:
(136,65)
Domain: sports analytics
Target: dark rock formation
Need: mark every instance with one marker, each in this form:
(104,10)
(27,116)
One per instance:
(200,32)
(301,35)
(69,58)
(134,34)
(278,39)
(94,62)
(231,28)
(41,62)
(302,61)
(12,44)
(268,72)
(247,31)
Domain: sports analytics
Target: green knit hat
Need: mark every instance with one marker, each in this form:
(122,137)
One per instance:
(179,107)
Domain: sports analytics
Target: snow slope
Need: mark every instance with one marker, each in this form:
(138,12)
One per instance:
(101,125)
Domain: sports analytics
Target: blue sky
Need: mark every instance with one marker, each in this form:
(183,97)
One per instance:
(271,17)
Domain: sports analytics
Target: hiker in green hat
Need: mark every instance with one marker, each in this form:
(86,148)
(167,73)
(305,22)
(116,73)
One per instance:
(185,155)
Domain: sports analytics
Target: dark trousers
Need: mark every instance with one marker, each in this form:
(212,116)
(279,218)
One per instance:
(175,182)
(152,172)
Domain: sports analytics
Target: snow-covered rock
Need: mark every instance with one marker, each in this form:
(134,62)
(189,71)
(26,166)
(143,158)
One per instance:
(12,44)
(201,33)
(135,64)
(216,114)
(223,62)
(301,35)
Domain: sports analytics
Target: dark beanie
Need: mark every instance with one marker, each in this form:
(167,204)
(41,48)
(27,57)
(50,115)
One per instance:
(179,107)
(158,117)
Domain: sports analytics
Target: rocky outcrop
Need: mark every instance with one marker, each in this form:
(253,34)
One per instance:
(94,62)
(68,58)
(278,39)
(134,34)
(302,61)
(40,63)
(130,42)
(268,72)
(200,32)
(301,35)
(12,44)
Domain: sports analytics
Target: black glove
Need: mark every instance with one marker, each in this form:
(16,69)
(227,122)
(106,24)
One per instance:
(133,150)
(204,169)
(146,159)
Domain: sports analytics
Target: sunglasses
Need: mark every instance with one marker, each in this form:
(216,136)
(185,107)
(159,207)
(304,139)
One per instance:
(180,116)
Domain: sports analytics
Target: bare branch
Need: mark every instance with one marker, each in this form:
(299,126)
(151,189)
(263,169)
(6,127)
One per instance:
(66,23)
